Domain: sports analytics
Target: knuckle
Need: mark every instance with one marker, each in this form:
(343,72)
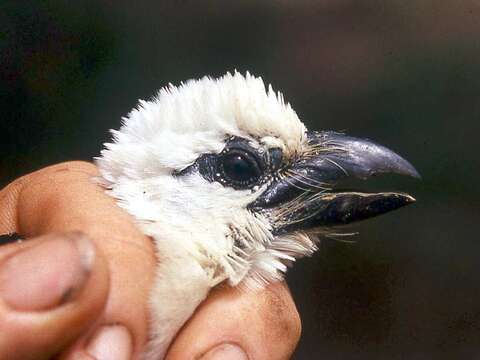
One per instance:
(56,177)
(49,198)
(12,191)
(295,325)
(70,167)
(284,318)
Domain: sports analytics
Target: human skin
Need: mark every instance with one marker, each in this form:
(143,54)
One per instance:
(78,287)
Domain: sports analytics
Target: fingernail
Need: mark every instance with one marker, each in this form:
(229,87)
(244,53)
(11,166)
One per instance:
(225,352)
(112,342)
(48,274)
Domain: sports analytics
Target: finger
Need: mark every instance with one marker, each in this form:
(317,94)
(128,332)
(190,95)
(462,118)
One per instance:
(8,207)
(51,290)
(65,198)
(239,324)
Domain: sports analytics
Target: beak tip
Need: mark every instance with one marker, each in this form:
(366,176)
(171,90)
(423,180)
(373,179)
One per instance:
(403,167)
(409,199)
(414,173)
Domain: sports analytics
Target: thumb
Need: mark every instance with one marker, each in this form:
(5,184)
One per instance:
(236,323)
(52,289)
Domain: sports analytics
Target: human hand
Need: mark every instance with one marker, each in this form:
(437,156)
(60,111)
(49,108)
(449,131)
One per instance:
(98,269)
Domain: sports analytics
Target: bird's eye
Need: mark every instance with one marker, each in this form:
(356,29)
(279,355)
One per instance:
(239,169)
(239,165)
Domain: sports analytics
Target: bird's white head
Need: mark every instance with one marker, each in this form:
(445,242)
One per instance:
(225,171)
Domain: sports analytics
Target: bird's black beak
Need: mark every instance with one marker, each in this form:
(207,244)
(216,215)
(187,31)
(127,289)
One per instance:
(305,195)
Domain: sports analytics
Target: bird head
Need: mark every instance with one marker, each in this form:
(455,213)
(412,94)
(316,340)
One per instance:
(224,170)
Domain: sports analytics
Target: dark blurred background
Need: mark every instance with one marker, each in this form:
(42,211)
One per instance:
(405,73)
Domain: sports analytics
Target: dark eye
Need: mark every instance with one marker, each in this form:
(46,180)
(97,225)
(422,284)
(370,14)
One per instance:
(240,169)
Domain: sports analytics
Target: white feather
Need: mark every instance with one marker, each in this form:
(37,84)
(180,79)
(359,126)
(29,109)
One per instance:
(195,223)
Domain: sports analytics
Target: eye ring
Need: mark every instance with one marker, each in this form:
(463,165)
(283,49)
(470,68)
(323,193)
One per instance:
(239,169)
